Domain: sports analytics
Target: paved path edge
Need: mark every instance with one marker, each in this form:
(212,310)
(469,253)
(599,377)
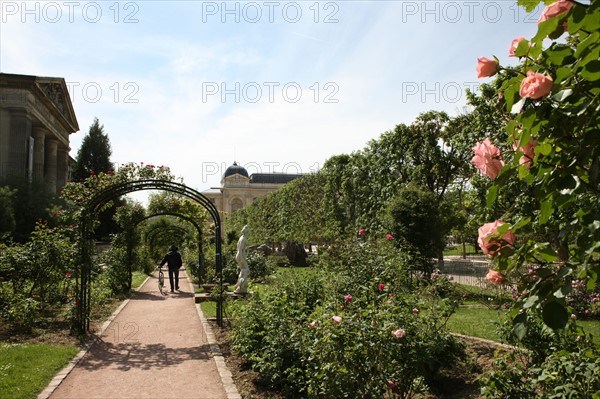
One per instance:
(62,374)
(224,373)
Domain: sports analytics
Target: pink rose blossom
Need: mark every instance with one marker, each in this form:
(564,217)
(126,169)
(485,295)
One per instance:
(389,236)
(487,159)
(495,277)
(554,9)
(486,67)
(535,85)
(415,311)
(68,275)
(399,333)
(527,150)
(514,45)
(391,384)
(347,298)
(361,232)
(489,241)
(381,286)
(336,319)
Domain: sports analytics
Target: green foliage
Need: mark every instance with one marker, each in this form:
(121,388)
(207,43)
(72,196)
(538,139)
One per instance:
(7,213)
(390,335)
(36,273)
(414,219)
(94,154)
(556,217)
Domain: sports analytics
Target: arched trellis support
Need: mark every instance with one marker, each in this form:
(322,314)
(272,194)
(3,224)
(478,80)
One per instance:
(157,231)
(112,192)
(190,220)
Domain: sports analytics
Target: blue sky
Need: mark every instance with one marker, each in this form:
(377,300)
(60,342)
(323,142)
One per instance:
(277,86)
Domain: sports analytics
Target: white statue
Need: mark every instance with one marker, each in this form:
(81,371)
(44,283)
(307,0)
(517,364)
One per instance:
(241,287)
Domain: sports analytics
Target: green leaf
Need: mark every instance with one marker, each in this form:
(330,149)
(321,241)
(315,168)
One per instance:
(518,106)
(555,315)
(562,95)
(531,301)
(520,325)
(547,253)
(544,148)
(546,209)
(529,5)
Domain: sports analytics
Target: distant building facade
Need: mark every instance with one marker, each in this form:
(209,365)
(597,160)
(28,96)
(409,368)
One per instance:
(36,120)
(239,189)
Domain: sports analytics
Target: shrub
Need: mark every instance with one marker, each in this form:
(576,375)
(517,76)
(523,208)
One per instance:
(357,327)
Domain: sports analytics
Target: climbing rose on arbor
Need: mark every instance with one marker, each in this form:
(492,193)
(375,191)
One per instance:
(514,45)
(554,9)
(495,277)
(535,85)
(487,159)
(399,333)
(486,67)
(490,242)
(528,151)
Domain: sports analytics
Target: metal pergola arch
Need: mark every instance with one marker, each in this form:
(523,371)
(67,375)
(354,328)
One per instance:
(156,231)
(188,219)
(106,195)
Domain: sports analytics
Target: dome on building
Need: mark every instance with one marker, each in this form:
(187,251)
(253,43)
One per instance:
(235,168)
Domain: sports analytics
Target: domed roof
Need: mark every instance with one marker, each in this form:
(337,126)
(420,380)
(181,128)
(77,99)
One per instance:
(235,168)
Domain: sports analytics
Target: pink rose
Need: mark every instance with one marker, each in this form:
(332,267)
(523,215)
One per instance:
(554,9)
(381,286)
(347,298)
(399,333)
(514,45)
(415,311)
(361,232)
(495,277)
(527,150)
(489,241)
(486,67)
(336,319)
(389,236)
(487,159)
(391,384)
(535,85)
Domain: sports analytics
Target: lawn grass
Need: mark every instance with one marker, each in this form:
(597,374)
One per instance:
(475,322)
(457,250)
(26,369)
(482,322)
(137,279)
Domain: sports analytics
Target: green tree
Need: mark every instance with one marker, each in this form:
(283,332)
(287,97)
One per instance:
(414,218)
(94,154)
(93,157)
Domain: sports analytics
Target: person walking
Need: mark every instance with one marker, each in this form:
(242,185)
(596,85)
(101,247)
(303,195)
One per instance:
(173,259)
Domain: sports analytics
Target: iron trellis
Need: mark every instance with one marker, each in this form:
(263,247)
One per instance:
(188,219)
(100,199)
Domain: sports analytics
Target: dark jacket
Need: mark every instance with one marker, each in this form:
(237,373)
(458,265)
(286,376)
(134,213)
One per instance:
(173,259)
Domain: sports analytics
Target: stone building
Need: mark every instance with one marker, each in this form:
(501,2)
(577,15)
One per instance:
(36,119)
(239,189)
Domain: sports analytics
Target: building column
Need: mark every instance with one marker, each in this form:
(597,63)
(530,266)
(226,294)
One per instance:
(39,137)
(51,150)
(20,131)
(62,167)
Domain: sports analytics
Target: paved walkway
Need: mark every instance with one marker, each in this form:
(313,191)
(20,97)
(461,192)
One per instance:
(155,346)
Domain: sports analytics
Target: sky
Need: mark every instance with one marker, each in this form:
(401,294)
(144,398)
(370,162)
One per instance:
(278,86)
